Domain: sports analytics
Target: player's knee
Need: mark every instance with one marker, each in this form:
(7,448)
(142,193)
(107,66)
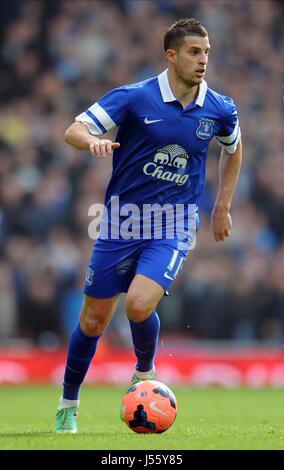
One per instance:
(138,308)
(92,326)
(92,322)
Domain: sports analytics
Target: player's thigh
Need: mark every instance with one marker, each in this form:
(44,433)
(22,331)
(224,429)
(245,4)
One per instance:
(96,313)
(142,297)
(162,261)
(111,268)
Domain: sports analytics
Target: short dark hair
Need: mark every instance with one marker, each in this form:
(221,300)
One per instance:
(181,28)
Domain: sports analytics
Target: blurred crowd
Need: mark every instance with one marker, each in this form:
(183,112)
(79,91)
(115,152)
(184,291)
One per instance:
(57,58)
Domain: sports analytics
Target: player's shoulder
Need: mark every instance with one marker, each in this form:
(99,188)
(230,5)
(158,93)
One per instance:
(139,88)
(128,95)
(223,104)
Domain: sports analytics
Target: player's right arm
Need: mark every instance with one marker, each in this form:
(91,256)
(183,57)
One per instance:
(78,136)
(106,114)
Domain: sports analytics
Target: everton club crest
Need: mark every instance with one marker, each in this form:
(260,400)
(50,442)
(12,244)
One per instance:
(89,276)
(205,129)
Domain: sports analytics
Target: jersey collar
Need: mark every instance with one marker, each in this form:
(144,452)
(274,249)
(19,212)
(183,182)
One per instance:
(168,95)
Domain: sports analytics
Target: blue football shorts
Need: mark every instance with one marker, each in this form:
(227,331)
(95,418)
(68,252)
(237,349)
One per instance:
(114,263)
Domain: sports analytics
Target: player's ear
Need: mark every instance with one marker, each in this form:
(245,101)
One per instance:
(170,55)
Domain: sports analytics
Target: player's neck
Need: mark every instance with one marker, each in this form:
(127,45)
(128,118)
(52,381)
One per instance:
(184,93)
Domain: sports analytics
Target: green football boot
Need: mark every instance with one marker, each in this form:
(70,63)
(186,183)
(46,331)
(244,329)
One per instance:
(135,379)
(66,420)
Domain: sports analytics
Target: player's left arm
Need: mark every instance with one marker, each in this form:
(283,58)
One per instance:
(229,170)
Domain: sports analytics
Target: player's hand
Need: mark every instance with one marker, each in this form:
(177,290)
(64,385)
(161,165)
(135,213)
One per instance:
(103,147)
(221,224)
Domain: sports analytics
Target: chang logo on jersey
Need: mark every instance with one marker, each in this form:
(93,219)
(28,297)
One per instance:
(169,164)
(205,129)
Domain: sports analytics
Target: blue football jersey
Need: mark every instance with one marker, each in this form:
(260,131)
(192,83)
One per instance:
(163,146)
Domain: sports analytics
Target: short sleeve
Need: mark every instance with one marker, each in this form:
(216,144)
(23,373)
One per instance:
(107,113)
(230,132)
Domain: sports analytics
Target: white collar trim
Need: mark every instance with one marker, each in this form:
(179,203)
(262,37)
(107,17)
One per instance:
(201,93)
(168,95)
(165,88)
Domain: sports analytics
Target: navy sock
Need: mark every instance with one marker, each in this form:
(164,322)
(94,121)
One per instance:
(145,336)
(81,351)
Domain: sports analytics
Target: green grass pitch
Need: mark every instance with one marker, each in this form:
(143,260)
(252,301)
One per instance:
(212,418)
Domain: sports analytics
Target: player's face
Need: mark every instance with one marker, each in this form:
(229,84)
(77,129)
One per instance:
(190,60)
